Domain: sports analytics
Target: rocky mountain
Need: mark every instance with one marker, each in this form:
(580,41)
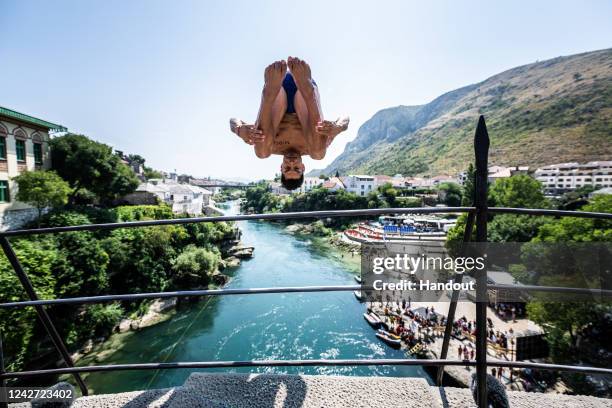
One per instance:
(547,112)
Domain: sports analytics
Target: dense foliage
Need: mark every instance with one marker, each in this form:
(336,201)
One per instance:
(450,194)
(577,332)
(260,199)
(91,168)
(90,263)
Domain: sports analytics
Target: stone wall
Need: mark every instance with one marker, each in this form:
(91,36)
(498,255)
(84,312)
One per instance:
(14,219)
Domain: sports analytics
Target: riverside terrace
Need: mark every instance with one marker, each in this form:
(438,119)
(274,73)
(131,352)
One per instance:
(311,391)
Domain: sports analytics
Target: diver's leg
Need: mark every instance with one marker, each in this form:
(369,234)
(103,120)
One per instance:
(272,108)
(308,106)
(307,95)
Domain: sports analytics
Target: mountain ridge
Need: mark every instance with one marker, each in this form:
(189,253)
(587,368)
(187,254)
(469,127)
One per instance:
(545,112)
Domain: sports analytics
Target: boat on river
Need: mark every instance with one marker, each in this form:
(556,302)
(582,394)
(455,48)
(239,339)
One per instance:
(373,319)
(401,228)
(358,294)
(389,338)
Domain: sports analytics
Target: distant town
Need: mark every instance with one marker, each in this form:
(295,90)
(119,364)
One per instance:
(24,146)
(556,179)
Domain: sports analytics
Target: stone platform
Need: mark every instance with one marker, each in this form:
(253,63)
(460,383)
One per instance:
(285,391)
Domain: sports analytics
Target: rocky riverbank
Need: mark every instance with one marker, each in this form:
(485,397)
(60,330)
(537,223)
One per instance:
(329,241)
(233,252)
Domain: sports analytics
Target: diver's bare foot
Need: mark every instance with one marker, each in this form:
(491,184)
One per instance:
(301,74)
(273,77)
(332,129)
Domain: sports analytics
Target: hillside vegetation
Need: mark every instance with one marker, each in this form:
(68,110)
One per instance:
(547,112)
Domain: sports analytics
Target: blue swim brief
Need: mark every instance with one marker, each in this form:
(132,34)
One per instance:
(290,89)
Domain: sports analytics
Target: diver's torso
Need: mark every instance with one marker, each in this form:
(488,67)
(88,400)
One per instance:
(290,136)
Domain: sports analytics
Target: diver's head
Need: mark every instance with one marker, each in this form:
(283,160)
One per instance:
(292,171)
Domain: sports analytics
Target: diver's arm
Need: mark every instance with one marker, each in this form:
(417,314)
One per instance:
(249,133)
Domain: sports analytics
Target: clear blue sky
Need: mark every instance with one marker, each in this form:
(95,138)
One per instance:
(161,79)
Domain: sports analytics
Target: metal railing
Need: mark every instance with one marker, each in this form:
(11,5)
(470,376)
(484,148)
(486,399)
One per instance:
(477,217)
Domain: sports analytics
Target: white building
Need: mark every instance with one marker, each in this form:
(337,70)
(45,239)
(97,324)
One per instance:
(333,184)
(397,181)
(359,184)
(310,183)
(417,183)
(563,177)
(183,198)
(495,173)
(381,180)
(498,172)
(278,189)
(24,145)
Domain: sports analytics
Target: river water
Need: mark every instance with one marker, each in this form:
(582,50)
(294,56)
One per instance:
(250,327)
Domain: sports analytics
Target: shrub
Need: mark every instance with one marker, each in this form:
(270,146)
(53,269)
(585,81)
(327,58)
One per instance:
(194,266)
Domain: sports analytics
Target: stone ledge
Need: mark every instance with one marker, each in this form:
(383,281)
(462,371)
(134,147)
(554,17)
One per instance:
(462,398)
(285,391)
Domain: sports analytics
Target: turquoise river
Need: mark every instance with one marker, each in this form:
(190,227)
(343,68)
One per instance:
(249,327)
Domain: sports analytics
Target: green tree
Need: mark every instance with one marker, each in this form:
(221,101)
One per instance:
(136,158)
(467,197)
(389,193)
(563,321)
(519,191)
(450,194)
(573,200)
(86,164)
(42,189)
(150,173)
(193,267)
(580,229)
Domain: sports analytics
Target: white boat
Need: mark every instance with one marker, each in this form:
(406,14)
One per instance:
(387,338)
(373,320)
(357,278)
(358,294)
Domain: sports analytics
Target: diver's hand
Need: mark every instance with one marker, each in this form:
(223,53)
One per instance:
(331,129)
(250,134)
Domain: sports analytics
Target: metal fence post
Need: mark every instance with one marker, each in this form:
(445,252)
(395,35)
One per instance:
(3,394)
(450,317)
(40,310)
(481,150)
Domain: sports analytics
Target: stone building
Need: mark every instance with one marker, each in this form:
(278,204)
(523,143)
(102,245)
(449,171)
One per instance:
(183,198)
(24,145)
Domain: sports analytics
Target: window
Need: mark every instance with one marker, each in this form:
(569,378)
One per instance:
(21,150)
(3,148)
(4,191)
(38,154)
